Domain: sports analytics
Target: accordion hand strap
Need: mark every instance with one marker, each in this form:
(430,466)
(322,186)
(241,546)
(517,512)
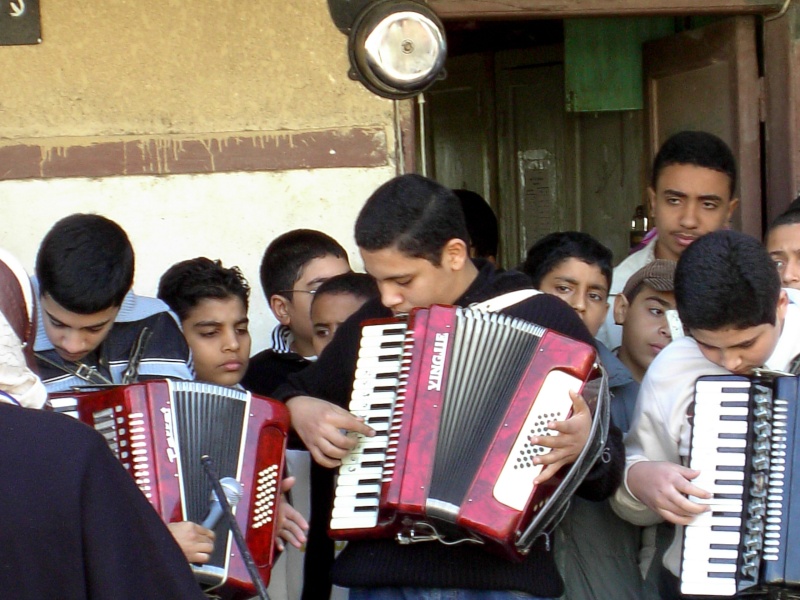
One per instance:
(503,301)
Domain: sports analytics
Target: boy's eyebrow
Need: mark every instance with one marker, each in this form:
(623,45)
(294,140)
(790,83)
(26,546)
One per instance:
(207,323)
(92,326)
(660,300)
(573,281)
(318,280)
(213,323)
(682,194)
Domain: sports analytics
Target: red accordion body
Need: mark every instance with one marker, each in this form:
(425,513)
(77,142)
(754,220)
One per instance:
(452,459)
(160,430)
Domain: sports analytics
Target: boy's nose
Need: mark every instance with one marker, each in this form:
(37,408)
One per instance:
(231,342)
(73,343)
(731,361)
(390,298)
(689,215)
(791,274)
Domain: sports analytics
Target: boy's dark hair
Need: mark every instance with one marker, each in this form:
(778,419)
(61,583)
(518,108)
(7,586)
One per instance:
(85,263)
(481,222)
(359,285)
(289,253)
(726,279)
(185,284)
(554,248)
(414,214)
(698,148)
(790,216)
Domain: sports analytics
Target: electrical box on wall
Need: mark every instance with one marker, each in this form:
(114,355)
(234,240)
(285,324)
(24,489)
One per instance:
(603,61)
(20,23)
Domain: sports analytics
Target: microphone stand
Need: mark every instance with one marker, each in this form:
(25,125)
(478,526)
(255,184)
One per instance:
(237,533)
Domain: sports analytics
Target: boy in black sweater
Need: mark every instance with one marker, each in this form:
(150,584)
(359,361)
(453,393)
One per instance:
(413,241)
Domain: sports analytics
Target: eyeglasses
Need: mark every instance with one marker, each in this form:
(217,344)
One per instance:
(312,292)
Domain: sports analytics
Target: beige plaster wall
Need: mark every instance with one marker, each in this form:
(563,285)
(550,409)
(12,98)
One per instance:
(111,75)
(120,67)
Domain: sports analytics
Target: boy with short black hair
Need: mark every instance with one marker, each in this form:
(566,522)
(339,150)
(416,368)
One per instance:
(92,328)
(294,265)
(211,301)
(782,240)
(413,240)
(575,267)
(335,301)
(692,193)
(730,301)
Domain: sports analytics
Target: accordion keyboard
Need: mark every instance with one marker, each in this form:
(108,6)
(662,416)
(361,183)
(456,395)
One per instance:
(738,445)
(719,453)
(377,378)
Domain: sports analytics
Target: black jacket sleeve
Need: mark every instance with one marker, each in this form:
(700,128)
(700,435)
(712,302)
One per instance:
(128,551)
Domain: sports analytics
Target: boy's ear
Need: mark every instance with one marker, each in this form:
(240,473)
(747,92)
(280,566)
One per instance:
(651,198)
(455,254)
(621,306)
(280,308)
(783,306)
(732,208)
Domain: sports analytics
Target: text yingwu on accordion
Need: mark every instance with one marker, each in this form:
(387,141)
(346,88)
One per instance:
(454,395)
(161,429)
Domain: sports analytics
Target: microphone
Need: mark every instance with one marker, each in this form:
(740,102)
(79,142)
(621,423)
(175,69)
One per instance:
(233,493)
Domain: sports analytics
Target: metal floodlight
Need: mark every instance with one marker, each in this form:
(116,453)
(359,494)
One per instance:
(397,48)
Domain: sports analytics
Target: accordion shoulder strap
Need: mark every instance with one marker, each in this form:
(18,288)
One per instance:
(505,300)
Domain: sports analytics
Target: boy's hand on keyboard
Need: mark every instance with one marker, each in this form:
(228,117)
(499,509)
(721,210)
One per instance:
(323,428)
(663,487)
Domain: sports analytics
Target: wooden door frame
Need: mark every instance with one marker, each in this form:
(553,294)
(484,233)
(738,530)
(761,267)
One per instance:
(558,9)
(699,48)
(781,114)
(781,70)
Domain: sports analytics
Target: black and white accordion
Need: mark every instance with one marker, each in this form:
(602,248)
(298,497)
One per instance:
(161,429)
(455,395)
(746,444)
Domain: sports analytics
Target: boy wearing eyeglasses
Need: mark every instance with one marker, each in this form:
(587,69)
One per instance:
(294,265)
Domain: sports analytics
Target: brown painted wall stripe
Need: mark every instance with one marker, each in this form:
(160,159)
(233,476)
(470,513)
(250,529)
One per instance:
(357,147)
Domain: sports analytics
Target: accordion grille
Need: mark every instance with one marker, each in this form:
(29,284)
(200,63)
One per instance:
(491,352)
(209,421)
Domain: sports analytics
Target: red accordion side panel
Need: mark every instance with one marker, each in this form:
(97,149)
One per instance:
(393,476)
(422,432)
(262,472)
(508,460)
(136,422)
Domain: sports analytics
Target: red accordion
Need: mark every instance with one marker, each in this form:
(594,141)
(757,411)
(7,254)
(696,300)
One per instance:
(160,429)
(454,395)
